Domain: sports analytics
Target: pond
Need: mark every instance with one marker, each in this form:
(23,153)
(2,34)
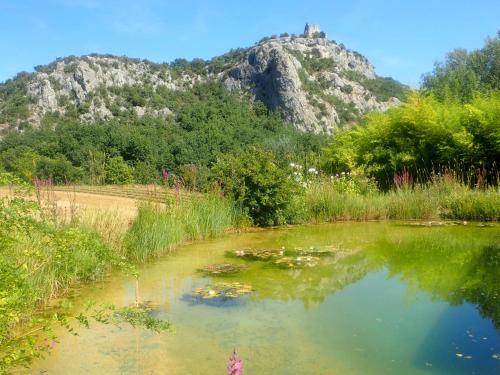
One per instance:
(345,298)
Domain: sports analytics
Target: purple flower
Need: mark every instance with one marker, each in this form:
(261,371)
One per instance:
(235,365)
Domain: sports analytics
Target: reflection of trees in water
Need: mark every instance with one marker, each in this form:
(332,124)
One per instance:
(483,285)
(312,284)
(457,266)
(450,266)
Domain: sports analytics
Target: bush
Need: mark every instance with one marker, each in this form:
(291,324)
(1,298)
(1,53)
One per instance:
(422,136)
(60,170)
(117,171)
(20,161)
(256,183)
(145,173)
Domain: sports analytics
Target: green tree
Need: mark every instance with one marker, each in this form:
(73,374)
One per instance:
(118,172)
(422,136)
(463,73)
(60,170)
(21,161)
(254,180)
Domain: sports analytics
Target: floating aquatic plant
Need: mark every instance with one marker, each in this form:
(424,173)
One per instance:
(223,268)
(295,258)
(259,254)
(223,291)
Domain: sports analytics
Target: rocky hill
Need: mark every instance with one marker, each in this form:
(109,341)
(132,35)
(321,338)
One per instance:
(314,82)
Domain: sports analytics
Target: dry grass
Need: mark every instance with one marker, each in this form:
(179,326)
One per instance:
(150,193)
(67,200)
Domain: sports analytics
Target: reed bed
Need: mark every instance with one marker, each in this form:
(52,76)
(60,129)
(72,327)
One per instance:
(158,228)
(439,199)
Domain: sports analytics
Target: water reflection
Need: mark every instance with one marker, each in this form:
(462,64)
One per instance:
(393,300)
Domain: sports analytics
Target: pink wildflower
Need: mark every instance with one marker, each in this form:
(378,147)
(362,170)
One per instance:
(235,365)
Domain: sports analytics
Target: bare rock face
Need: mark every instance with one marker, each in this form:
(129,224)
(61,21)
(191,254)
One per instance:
(307,79)
(272,73)
(315,83)
(76,81)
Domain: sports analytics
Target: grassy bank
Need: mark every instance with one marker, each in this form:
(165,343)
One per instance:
(43,254)
(41,257)
(158,228)
(439,199)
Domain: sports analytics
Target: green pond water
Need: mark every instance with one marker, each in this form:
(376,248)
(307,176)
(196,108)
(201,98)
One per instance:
(389,299)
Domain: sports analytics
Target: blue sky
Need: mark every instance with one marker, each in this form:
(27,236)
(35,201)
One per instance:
(402,38)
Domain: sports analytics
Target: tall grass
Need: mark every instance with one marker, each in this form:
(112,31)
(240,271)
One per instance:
(443,197)
(158,228)
(473,205)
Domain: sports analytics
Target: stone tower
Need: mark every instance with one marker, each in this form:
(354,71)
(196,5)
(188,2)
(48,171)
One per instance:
(313,31)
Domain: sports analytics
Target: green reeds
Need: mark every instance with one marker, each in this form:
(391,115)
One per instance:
(441,198)
(158,228)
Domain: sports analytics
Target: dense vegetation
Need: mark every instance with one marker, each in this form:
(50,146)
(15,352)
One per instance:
(209,121)
(452,124)
(42,255)
(434,157)
(423,137)
(464,74)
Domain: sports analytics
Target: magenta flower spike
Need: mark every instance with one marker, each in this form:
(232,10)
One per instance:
(235,365)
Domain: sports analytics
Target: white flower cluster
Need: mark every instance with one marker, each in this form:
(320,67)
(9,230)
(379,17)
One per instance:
(341,175)
(312,171)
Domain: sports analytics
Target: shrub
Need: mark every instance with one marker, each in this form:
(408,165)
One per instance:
(256,183)
(422,136)
(117,171)
(20,161)
(60,170)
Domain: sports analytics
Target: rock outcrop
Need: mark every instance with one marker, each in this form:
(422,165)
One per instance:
(310,80)
(315,83)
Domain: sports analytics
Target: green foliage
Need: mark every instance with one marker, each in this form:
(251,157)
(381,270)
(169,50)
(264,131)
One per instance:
(59,170)
(158,228)
(38,261)
(384,88)
(209,122)
(422,136)
(118,172)
(474,205)
(14,101)
(220,63)
(313,64)
(463,74)
(256,183)
(353,184)
(356,198)
(353,75)
(21,161)
(347,112)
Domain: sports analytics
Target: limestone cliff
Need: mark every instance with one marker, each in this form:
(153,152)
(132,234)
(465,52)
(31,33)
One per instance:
(315,83)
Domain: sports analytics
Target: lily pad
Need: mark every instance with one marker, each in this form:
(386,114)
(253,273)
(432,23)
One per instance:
(223,291)
(223,268)
(259,254)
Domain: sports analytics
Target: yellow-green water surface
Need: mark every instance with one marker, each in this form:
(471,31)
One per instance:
(393,299)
